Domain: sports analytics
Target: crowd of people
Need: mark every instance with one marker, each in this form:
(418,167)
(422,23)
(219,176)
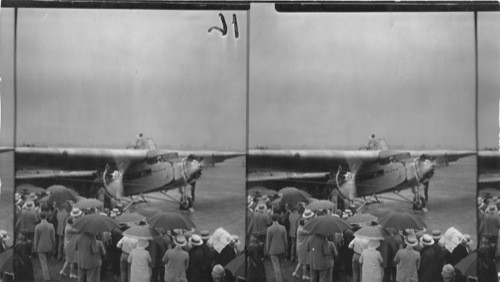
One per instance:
(277,231)
(46,232)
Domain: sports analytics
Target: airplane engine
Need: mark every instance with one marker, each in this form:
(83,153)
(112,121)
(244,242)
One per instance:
(424,168)
(346,183)
(113,183)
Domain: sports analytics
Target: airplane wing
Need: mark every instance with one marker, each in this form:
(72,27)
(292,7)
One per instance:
(74,159)
(208,157)
(6,149)
(488,164)
(305,161)
(443,157)
(306,165)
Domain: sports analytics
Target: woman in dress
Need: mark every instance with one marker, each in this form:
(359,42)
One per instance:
(70,237)
(140,260)
(302,253)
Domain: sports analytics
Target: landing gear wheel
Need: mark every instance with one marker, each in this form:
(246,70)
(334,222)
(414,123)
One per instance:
(419,205)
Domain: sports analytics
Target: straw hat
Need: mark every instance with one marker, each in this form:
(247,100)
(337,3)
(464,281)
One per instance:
(307,214)
(205,234)
(76,212)
(195,240)
(411,240)
(427,240)
(436,234)
(180,240)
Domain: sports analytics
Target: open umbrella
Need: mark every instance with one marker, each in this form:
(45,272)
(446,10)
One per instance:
(468,265)
(60,194)
(401,221)
(130,217)
(489,191)
(326,224)
(237,266)
(261,191)
(361,218)
(6,260)
(29,188)
(372,233)
(89,204)
(95,223)
(320,205)
(139,232)
(292,196)
(171,221)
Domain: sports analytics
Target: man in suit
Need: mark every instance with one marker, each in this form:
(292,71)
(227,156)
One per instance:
(322,255)
(276,242)
(259,222)
(89,258)
(27,220)
(45,243)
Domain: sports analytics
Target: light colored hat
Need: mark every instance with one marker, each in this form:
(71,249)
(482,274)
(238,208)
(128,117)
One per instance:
(307,214)
(436,234)
(195,240)
(345,216)
(4,235)
(411,240)
(180,240)
(76,212)
(427,240)
(218,271)
(205,234)
(236,239)
(448,271)
(348,212)
(142,244)
(112,215)
(265,198)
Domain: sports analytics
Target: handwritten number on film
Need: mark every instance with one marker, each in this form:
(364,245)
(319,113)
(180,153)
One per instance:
(223,30)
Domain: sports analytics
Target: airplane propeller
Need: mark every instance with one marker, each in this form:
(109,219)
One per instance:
(113,182)
(346,182)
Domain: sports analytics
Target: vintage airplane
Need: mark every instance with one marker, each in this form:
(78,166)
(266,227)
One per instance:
(362,173)
(123,172)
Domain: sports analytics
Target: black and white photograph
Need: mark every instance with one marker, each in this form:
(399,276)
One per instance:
(6,153)
(130,143)
(488,119)
(362,146)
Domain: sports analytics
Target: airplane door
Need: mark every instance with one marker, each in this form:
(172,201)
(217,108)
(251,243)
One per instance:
(147,177)
(381,178)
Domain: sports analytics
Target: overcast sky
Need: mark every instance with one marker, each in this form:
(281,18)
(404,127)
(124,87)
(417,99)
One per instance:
(7,75)
(331,79)
(489,82)
(99,77)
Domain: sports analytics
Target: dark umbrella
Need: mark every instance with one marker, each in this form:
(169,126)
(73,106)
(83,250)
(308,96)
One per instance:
(320,205)
(129,217)
(292,196)
(361,218)
(489,191)
(401,221)
(60,194)
(95,223)
(6,260)
(468,265)
(89,204)
(261,191)
(372,233)
(29,188)
(326,224)
(142,232)
(171,221)
(237,266)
